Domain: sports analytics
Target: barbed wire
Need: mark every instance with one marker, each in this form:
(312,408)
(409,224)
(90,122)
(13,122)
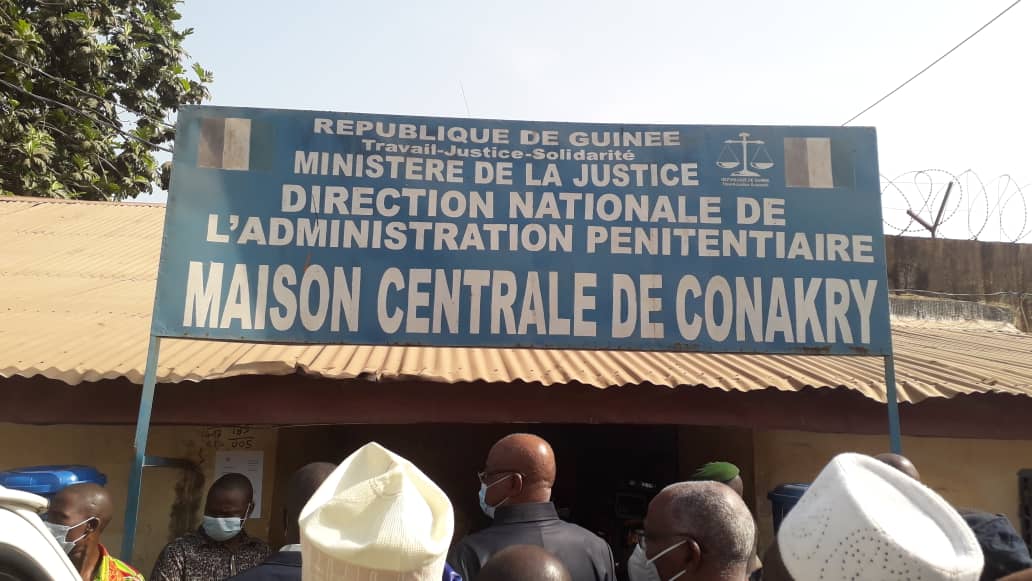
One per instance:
(943,204)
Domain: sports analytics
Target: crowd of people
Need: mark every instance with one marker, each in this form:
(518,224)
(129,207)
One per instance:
(378,517)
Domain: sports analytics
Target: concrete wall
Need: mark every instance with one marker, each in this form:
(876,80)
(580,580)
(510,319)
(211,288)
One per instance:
(978,474)
(172,500)
(964,267)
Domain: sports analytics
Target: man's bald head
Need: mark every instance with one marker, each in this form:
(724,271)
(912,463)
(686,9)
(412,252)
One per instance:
(531,462)
(712,519)
(79,502)
(87,509)
(300,488)
(523,563)
(901,463)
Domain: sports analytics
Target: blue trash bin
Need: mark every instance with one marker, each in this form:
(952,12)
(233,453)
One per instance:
(783,498)
(47,481)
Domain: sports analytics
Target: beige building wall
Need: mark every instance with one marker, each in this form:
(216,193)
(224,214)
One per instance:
(978,474)
(172,500)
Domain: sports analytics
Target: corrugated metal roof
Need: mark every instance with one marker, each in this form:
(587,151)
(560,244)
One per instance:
(78,286)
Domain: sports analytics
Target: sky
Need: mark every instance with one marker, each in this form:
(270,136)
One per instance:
(797,62)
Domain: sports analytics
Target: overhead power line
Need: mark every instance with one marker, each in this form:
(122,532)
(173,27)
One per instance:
(935,62)
(78,111)
(464,99)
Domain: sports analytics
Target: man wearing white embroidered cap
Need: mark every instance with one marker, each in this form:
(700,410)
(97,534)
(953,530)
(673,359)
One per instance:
(866,521)
(376,517)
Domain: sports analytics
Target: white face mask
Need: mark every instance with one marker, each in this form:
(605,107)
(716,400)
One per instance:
(487,508)
(60,533)
(641,569)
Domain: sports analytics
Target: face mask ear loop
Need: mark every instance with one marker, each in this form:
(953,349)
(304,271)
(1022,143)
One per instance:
(82,536)
(667,550)
(499,480)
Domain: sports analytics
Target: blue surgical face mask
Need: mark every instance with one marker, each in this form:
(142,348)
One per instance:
(487,508)
(222,528)
(60,533)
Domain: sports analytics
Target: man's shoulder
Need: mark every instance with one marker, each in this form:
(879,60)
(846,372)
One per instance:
(471,540)
(250,541)
(119,569)
(491,535)
(125,570)
(585,536)
(256,547)
(190,539)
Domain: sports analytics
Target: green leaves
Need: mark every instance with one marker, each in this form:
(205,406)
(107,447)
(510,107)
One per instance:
(78,17)
(23,28)
(115,62)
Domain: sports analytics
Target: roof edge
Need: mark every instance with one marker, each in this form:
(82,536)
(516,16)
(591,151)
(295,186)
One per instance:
(40,201)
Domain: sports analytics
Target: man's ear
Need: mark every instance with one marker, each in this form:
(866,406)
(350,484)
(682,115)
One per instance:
(517,483)
(693,556)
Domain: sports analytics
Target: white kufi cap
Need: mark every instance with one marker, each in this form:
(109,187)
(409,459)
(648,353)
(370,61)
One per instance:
(376,518)
(863,520)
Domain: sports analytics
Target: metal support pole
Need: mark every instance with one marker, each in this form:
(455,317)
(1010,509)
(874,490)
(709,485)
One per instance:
(132,507)
(895,437)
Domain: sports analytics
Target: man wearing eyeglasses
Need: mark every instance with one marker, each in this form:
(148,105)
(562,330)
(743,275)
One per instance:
(698,531)
(220,548)
(516,492)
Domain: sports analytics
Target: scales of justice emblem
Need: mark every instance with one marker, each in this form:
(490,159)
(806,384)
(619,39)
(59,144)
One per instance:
(760,160)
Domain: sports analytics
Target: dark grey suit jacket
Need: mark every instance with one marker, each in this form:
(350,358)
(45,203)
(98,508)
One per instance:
(585,554)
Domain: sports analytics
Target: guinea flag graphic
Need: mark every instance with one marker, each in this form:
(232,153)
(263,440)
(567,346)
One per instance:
(818,162)
(234,143)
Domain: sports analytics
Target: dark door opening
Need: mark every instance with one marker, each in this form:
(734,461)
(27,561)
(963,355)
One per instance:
(606,473)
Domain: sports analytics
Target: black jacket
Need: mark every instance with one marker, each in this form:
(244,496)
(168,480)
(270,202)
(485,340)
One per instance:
(585,554)
(1003,548)
(281,566)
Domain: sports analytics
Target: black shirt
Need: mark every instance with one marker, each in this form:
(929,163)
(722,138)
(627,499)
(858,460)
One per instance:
(1003,548)
(281,566)
(585,554)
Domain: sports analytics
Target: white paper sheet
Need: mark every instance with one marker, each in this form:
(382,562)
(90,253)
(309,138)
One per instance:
(250,464)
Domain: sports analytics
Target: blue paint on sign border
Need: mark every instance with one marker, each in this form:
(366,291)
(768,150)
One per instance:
(230,270)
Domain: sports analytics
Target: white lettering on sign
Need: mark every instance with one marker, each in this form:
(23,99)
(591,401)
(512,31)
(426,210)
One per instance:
(321,302)
(461,232)
(427,301)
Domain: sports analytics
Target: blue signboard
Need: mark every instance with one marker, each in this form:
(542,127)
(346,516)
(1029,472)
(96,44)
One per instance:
(315,227)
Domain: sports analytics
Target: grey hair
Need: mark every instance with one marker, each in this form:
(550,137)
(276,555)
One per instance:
(717,518)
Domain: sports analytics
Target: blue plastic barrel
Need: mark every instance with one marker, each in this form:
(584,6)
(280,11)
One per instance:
(49,480)
(783,498)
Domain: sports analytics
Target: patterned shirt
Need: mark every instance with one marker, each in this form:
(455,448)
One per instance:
(112,569)
(196,557)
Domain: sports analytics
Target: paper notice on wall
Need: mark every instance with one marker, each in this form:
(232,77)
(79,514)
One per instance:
(250,464)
